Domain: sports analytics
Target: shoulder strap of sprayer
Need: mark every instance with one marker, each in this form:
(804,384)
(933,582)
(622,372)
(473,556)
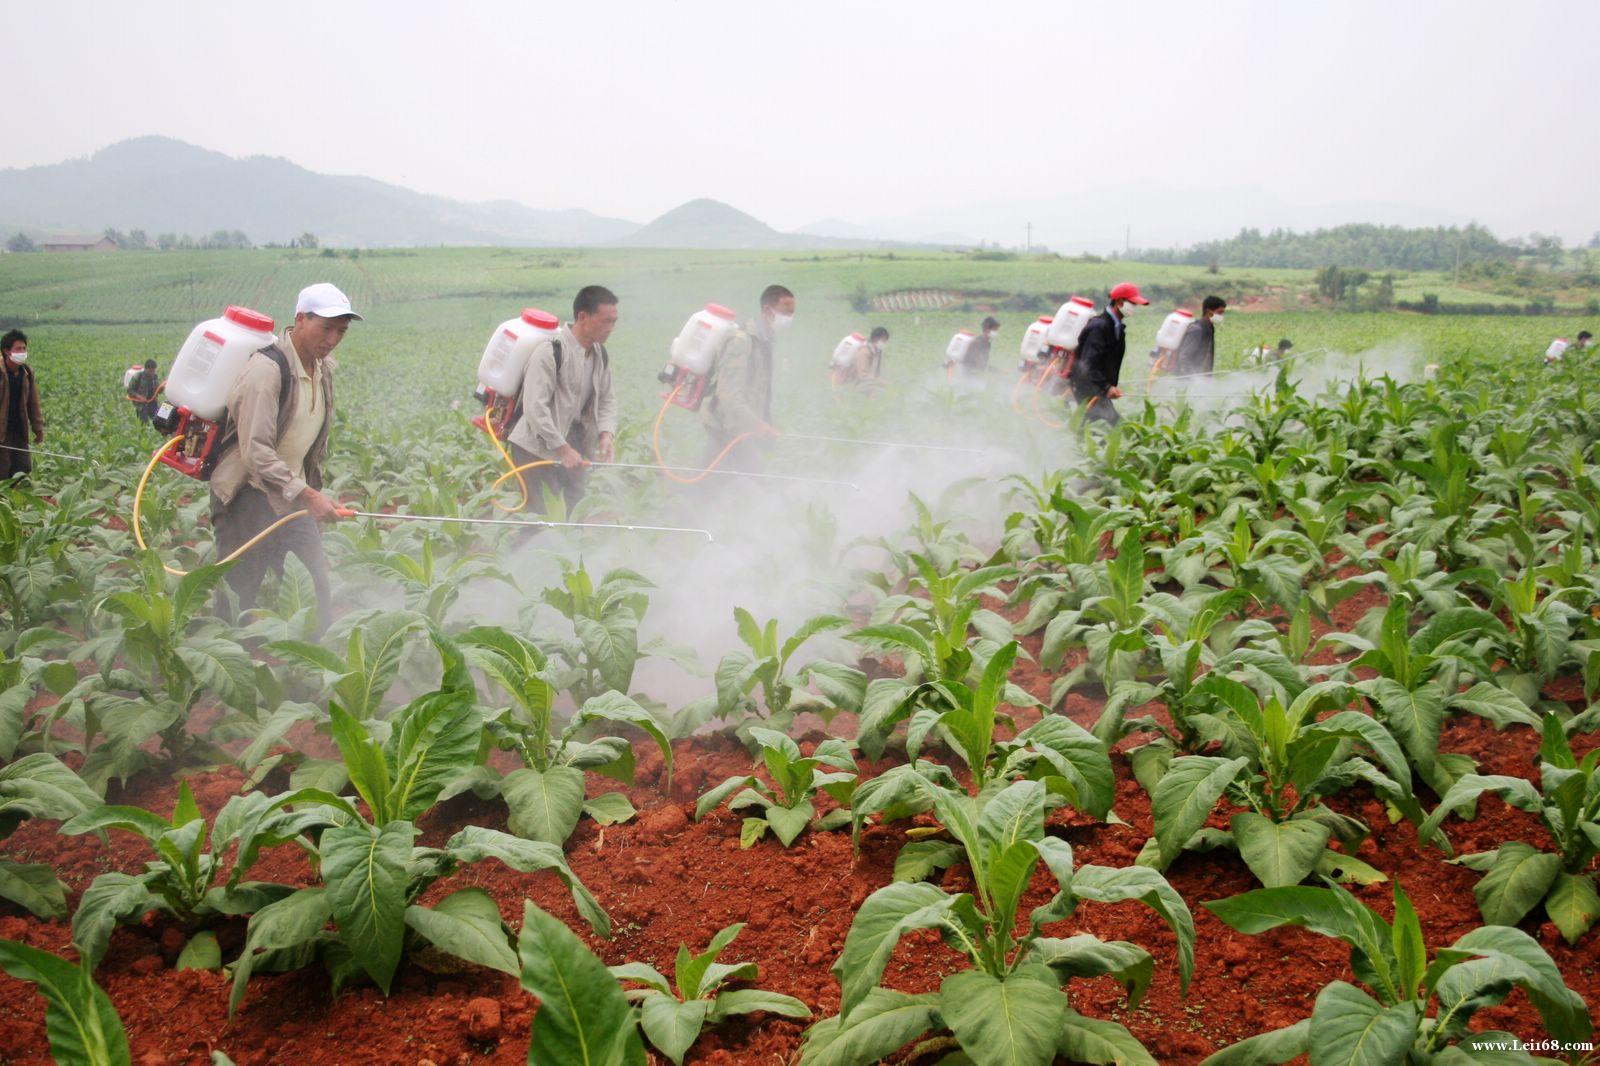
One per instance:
(229,437)
(516,410)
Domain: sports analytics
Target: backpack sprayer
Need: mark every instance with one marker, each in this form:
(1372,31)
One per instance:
(1165,357)
(500,376)
(1058,349)
(210,361)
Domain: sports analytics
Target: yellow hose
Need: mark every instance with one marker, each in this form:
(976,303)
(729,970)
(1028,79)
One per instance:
(1048,370)
(655,441)
(513,470)
(138,501)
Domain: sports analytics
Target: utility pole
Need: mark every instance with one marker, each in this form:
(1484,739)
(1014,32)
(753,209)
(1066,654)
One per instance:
(1028,244)
(1127,239)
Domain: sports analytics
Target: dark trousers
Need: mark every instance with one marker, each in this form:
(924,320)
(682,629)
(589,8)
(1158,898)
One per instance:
(15,458)
(569,484)
(1101,409)
(245,516)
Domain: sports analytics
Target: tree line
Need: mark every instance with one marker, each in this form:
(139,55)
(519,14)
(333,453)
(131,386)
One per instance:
(1361,246)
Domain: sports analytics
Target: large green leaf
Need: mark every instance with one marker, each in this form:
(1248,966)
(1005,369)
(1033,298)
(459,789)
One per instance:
(1098,1041)
(1514,885)
(1573,905)
(1011,1022)
(1185,796)
(1512,956)
(1104,884)
(1086,955)
(615,707)
(475,843)
(435,738)
(79,1020)
(467,924)
(583,1019)
(42,786)
(365,871)
(112,897)
(544,805)
(33,886)
(612,646)
(886,916)
(1266,1049)
(1350,1028)
(673,1026)
(1279,853)
(280,926)
(883,1022)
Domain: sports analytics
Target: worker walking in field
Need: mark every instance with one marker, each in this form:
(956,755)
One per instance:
(19,407)
(569,402)
(974,366)
(1197,352)
(142,391)
(1101,346)
(738,400)
(865,369)
(272,450)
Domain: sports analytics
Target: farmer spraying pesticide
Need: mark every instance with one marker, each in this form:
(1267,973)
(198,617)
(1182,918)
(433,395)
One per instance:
(1197,352)
(858,360)
(251,414)
(737,409)
(568,401)
(142,388)
(1101,346)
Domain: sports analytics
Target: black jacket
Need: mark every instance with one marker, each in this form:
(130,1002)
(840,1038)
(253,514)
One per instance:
(1197,352)
(1100,350)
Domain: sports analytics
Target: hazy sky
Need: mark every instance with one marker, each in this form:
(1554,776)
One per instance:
(859,110)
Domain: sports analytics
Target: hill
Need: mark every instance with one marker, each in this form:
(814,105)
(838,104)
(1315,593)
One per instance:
(163,185)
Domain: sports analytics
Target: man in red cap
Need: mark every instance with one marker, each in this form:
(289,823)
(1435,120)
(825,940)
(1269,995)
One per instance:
(1100,349)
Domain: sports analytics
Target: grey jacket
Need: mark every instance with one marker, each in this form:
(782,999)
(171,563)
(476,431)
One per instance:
(551,398)
(258,413)
(1197,352)
(739,393)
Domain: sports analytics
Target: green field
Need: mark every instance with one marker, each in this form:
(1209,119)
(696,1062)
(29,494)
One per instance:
(428,312)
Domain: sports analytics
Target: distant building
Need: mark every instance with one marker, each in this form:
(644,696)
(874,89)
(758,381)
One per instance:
(79,242)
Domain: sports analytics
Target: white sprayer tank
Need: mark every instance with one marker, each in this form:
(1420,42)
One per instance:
(1557,349)
(1170,335)
(1069,322)
(845,353)
(1033,338)
(956,350)
(212,359)
(505,357)
(695,347)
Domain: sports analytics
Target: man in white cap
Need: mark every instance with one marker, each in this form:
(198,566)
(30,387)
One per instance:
(273,446)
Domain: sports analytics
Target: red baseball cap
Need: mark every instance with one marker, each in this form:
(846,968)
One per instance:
(1127,290)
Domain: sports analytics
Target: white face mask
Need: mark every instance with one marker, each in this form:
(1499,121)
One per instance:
(19,357)
(1124,310)
(877,346)
(1216,319)
(780,321)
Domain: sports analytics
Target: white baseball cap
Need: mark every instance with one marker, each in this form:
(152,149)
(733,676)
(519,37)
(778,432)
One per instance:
(324,300)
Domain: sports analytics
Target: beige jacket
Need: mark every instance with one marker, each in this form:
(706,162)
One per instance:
(258,413)
(553,411)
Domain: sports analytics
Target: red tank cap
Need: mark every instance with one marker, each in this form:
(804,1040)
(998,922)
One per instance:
(1185,314)
(857,337)
(540,319)
(720,311)
(1082,300)
(1047,319)
(249,319)
(965,333)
